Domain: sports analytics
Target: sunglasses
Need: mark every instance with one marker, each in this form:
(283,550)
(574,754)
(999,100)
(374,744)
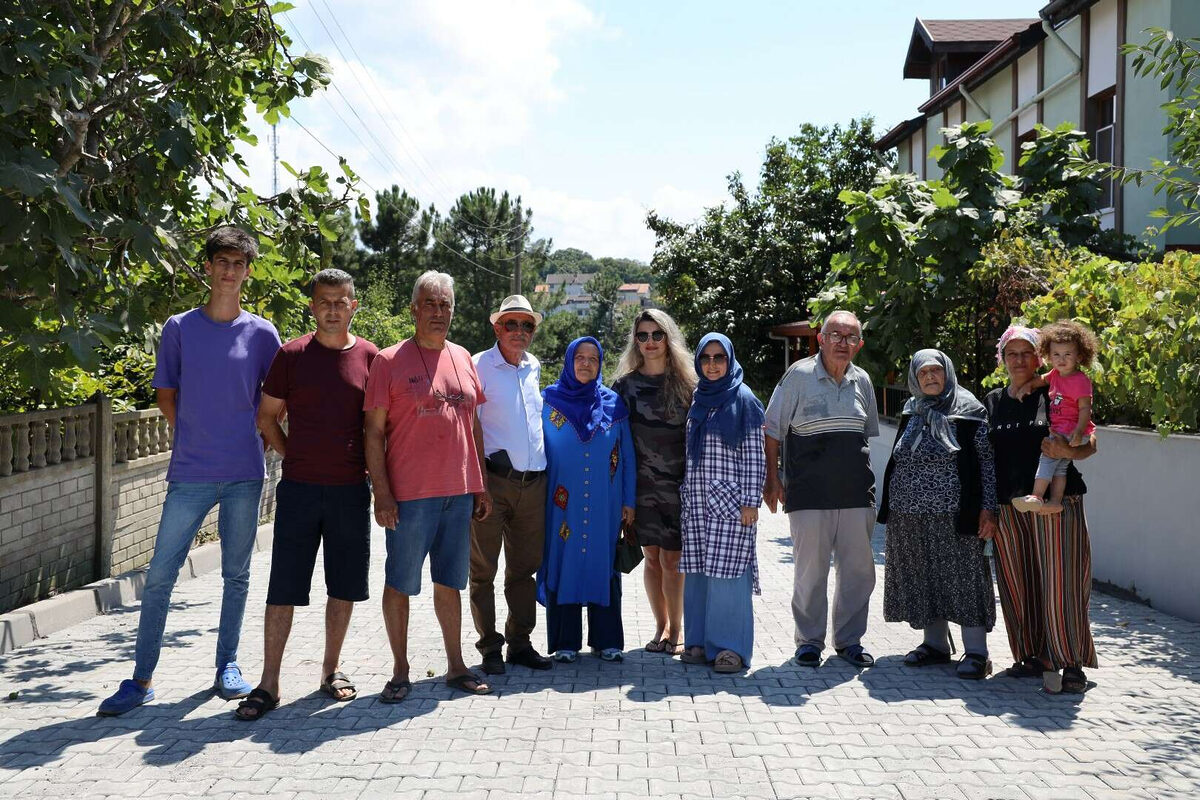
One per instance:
(716,358)
(511,325)
(644,336)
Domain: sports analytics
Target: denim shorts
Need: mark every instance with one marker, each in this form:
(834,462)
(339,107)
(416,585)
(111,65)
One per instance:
(335,518)
(438,527)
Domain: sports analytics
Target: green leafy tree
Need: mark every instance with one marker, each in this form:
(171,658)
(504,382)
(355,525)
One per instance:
(118,126)
(481,238)
(397,236)
(1146,317)
(602,321)
(753,262)
(920,270)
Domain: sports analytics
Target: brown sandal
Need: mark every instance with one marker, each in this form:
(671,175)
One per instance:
(728,661)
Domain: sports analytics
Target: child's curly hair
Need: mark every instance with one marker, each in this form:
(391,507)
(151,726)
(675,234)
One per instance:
(1068,330)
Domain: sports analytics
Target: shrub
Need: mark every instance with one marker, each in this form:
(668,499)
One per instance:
(1147,317)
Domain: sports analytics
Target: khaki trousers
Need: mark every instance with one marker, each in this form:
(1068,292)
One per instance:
(518,523)
(844,533)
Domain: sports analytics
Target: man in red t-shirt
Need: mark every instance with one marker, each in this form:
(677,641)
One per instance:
(424,453)
(320,381)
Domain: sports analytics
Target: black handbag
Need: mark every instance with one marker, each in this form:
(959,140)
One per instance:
(629,553)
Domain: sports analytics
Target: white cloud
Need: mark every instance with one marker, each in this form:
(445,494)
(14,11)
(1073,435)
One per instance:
(443,85)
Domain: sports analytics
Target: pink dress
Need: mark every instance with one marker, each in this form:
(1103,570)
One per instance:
(1065,393)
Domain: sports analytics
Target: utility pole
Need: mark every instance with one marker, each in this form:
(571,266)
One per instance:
(274,158)
(516,280)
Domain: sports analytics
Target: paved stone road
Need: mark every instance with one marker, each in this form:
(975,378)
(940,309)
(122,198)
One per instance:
(649,727)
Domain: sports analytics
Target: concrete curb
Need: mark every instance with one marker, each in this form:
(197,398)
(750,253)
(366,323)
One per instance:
(40,619)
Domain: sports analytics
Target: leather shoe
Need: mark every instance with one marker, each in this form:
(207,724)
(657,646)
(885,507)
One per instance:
(529,658)
(493,663)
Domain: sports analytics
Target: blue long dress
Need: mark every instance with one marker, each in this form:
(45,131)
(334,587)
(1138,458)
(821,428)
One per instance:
(588,483)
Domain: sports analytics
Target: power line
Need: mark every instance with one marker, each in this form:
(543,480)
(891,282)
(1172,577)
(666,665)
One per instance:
(327,149)
(371,151)
(445,191)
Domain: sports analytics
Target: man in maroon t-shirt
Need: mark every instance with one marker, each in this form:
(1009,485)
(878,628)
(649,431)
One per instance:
(319,380)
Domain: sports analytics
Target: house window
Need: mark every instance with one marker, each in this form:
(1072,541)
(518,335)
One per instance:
(1102,133)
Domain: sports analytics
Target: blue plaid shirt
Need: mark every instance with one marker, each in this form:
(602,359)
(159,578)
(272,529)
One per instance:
(714,491)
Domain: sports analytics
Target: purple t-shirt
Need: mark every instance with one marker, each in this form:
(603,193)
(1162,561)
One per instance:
(218,369)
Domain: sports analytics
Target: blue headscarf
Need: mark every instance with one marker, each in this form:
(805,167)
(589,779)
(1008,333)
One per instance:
(590,406)
(738,410)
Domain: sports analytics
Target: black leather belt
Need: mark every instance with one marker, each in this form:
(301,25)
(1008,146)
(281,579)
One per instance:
(514,474)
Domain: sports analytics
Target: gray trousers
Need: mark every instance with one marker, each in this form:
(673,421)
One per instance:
(844,534)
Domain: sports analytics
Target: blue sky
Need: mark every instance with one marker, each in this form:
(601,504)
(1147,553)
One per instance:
(594,112)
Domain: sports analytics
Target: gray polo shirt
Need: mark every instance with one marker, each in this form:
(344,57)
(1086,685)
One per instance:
(824,426)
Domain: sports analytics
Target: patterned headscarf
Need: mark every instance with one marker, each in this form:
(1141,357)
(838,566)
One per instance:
(934,413)
(590,406)
(1016,332)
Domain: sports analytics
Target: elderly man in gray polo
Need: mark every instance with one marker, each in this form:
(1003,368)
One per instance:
(823,412)
(515,458)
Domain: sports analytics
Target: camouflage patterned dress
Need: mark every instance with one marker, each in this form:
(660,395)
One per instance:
(659,440)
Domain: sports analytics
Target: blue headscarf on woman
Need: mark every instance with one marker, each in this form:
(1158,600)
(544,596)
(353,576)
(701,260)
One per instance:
(737,409)
(590,406)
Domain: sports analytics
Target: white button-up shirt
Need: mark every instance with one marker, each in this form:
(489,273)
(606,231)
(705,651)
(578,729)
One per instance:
(512,417)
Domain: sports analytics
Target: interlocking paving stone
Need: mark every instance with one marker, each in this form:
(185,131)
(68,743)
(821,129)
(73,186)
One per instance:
(649,726)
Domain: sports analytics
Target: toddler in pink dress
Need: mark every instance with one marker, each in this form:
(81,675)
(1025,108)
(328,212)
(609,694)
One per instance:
(1067,345)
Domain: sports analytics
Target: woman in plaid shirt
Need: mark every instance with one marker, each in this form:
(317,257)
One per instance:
(721,493)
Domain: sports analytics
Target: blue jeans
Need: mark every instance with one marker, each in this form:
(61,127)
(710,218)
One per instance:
(183,513)
(718,614)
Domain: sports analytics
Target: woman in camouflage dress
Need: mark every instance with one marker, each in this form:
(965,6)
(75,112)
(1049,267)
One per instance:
(655,378)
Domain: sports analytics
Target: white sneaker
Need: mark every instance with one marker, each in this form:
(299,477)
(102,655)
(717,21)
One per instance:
(565,656)
(1029,503)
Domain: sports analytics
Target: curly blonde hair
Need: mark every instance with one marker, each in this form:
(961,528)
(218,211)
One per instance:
(1068,330)
(681,371)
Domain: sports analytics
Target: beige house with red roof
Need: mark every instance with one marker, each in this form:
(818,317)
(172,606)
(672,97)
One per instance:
(1064,66)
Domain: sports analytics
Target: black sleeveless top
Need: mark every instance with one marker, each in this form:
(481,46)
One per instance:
(1017,430)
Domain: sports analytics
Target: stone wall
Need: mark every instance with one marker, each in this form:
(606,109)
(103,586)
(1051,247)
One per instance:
(47,532)
(53,464)
(139,488)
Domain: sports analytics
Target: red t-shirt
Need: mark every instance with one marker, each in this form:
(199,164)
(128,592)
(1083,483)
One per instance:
(324,391)
(430,397)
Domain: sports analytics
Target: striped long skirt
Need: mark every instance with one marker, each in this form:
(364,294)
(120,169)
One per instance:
(1044,573)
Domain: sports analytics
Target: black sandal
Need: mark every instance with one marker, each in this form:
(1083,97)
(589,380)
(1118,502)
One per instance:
(923,655)
(1029,667)
(973,667)
(1074,680)
(260,702)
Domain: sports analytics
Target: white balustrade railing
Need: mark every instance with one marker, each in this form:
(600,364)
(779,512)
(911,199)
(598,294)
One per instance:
(38,439)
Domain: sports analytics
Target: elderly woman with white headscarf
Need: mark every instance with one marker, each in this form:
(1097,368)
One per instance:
(939,505)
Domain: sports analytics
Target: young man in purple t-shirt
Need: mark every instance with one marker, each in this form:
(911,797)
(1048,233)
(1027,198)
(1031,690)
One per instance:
(324,501)
(211,364)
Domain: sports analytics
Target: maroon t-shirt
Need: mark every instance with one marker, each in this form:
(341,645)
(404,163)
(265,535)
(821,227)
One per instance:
(324,391)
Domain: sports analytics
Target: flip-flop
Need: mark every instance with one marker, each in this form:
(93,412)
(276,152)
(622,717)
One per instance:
(260,702)
(656,645)
(459,683)
(688,657)
(672,648)
(395,691)
(337,681)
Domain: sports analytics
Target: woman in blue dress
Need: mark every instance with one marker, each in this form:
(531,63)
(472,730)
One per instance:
(592,482)
(722,491)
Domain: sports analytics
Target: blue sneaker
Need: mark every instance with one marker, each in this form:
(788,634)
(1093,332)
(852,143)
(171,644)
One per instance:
(230,684)
(129,695)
